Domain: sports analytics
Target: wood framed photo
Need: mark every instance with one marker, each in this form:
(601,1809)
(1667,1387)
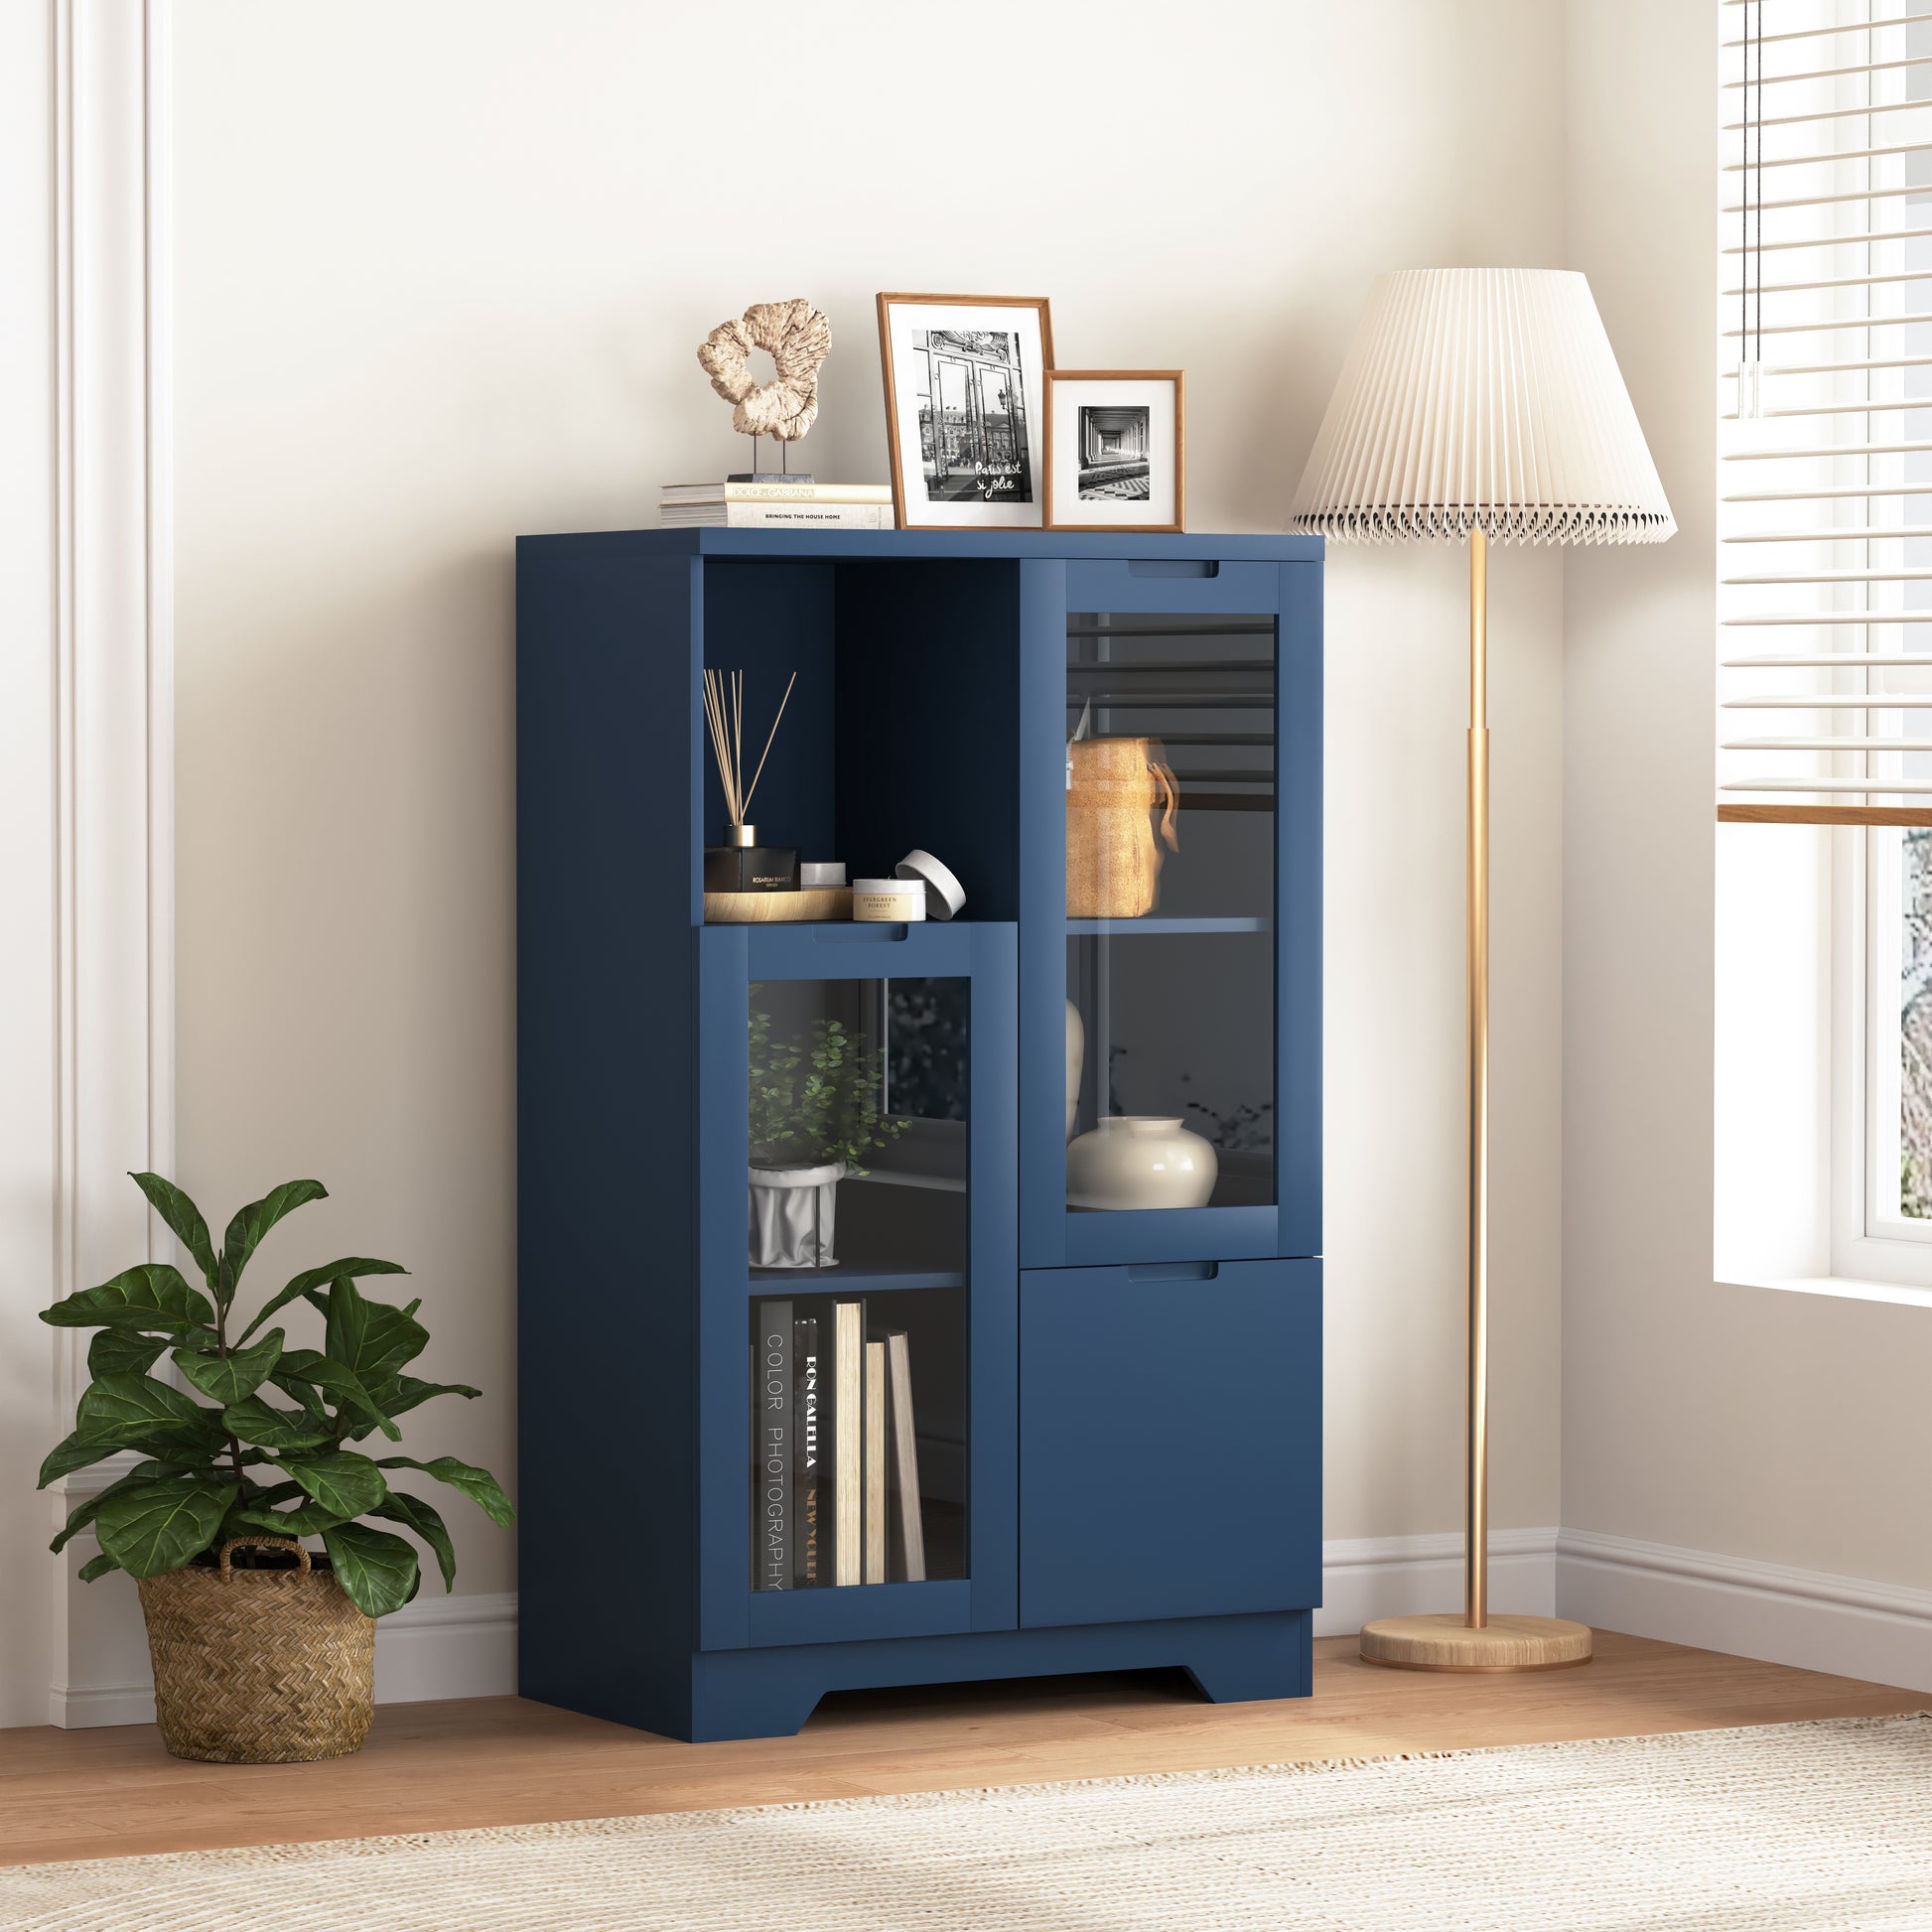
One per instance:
(964,398)
(1115,450)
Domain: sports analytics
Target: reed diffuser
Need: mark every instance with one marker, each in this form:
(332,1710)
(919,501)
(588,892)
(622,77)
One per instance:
(741,864)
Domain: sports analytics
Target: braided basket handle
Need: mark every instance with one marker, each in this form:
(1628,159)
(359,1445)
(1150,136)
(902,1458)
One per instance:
(259,1542)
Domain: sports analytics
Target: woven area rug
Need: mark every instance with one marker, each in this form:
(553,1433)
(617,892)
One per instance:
(1823,1827)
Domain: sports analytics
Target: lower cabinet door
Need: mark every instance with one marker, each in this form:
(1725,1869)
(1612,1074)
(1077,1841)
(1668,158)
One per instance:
(1169,1440)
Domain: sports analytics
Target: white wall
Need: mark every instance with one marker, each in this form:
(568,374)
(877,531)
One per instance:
(1784,1429)
(441,271)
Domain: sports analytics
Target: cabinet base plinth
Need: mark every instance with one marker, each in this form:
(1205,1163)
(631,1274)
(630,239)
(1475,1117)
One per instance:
(1504,1643)
(770,1692)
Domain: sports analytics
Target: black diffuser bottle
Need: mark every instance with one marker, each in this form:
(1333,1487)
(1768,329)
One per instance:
(743,865)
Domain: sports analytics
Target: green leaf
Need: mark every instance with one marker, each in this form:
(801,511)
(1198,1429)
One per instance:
(85,1513)
(119,1351)
(371,1337)
(227,1378)
(406,1393)
(312,1403)
(254,1420)
(343,1384)
(415,1514)
(308,1519)
(184,1218)
(72,1452)
(347,1483)
(128,1410)
(251,1223)
(97,1567)
(477,1484)
(158,1526)
(380,1570)
(153,1295)
(80,1449)
(311,1279)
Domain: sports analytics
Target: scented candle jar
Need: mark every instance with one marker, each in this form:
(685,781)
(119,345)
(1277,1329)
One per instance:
(888,900)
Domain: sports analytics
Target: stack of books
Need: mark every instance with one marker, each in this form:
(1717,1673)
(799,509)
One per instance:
(765,504)
(834,1486)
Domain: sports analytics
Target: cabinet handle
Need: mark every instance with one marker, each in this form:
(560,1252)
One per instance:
(863,932)
(1173,567)
(1173,1271)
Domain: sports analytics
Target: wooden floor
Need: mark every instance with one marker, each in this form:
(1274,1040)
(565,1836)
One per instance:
(75,1794)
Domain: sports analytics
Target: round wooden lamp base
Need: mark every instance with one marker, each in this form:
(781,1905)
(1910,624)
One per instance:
(1447,1643)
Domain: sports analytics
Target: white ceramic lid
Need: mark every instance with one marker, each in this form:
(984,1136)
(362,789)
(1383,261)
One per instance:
(944,895)
(895,886)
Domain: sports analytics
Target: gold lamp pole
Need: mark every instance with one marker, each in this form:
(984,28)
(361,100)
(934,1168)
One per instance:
(1477,403)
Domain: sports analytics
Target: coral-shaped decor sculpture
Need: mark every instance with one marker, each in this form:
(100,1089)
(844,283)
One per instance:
(798,339)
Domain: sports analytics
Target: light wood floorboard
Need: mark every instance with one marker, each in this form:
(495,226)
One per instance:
(74,1794)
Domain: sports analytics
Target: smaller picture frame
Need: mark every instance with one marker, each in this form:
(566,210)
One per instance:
(1116,449)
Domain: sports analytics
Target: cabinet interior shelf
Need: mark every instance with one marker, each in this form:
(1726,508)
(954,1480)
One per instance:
(1170,627)
(1121,928)
(812,1281)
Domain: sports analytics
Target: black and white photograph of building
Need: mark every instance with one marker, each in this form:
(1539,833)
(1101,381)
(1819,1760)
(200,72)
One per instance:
(973,427)
(1114,442)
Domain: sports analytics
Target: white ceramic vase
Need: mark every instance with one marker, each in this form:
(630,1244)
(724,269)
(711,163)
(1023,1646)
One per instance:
(1076,1059)
(792,1213)
(1138,1160)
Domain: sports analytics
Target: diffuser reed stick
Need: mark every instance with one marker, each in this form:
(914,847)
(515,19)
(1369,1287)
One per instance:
(724,711)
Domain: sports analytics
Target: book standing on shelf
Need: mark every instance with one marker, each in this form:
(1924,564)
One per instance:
(875,1461)
(848,1442)
(906,1458)
(773,1408)
(808,1457)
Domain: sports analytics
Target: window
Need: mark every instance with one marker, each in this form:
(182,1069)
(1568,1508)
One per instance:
(1825,522)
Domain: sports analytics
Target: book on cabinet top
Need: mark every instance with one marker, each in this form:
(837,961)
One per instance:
(774,493)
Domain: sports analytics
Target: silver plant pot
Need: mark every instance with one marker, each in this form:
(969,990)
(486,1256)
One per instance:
(792,1214)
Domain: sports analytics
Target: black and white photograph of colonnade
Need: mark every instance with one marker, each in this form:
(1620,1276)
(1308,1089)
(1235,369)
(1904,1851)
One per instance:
(973,429)
(1114,452)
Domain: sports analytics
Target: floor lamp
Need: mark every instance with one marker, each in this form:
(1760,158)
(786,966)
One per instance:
(1480,403)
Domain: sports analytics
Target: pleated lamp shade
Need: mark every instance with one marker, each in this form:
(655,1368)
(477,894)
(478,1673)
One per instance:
(1481,398)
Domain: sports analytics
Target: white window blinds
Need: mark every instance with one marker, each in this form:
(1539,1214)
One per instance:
(1825,351)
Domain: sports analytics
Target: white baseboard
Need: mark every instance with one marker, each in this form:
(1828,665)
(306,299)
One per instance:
(1809,1618)
(1414,1575)
(466,1646)
(436,1647)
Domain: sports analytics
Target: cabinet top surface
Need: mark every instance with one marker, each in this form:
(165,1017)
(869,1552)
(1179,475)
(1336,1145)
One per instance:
(1056,546)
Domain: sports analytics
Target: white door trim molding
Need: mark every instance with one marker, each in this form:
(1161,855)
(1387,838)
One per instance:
(112,1107)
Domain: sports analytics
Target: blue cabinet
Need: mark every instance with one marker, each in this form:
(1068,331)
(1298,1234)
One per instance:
(1088,1404)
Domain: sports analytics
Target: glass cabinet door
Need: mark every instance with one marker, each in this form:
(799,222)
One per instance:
(1171,802)
(857,1106)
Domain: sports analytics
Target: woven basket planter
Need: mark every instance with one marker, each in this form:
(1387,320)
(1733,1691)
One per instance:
(258,1666)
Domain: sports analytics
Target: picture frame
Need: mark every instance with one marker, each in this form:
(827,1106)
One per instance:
(965,396)
(1116,449)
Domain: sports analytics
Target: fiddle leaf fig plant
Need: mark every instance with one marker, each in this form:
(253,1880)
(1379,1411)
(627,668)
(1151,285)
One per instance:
(815,1099)
(265,1443)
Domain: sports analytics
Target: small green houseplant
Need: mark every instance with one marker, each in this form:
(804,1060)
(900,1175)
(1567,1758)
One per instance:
(261,1444)
(814,1117)
(815,1100)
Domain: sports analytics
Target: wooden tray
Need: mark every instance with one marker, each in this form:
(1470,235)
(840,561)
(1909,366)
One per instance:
(777,909)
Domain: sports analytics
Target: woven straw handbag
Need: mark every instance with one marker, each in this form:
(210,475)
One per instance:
(1113,860)
(258,1666)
